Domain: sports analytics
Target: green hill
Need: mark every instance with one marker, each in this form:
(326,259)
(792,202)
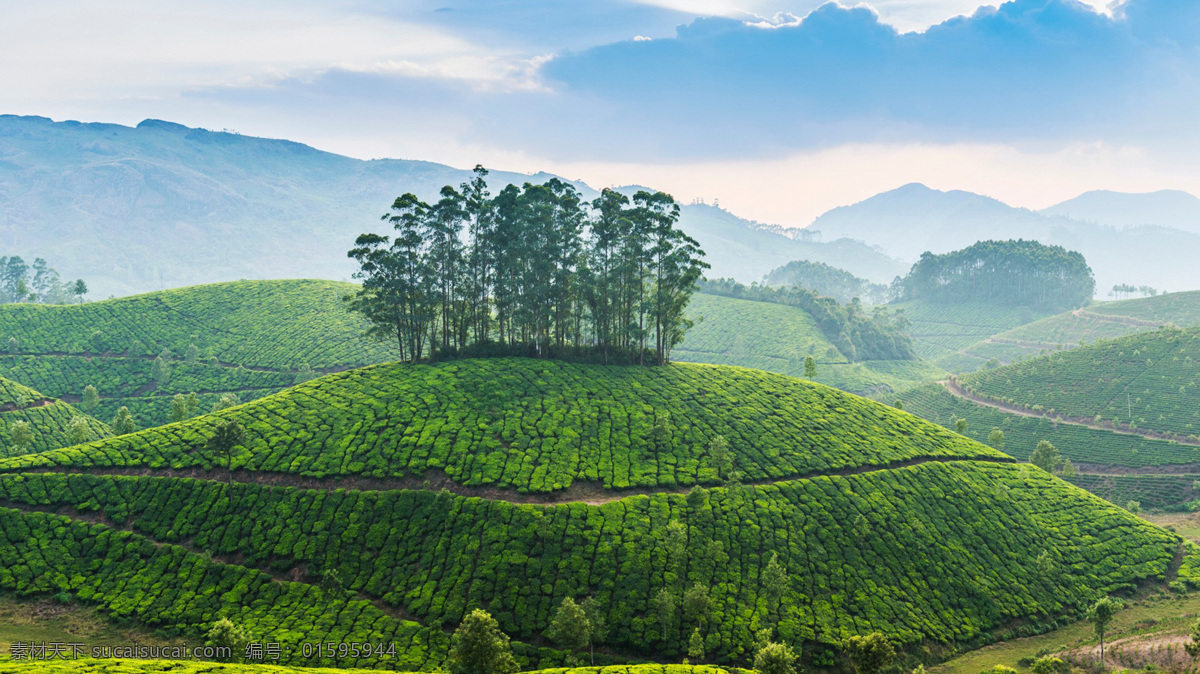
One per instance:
(562,480)
(1087,447)
(48,420)
(248,338)
(944,334)
(1068,330)
(1152,376)
(777,338)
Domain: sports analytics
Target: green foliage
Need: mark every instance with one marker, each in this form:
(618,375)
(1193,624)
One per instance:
(540,429)
(1046,457)
(479,647)
(123,422)
(226,401)
(179,408)
(226,634)
(228,435)
(960,426)
(569,629)
(775,658)
(810,367)
(21,435)
(1192,646)
(869,654)
(996,439)
(695,648)
(1048,664)
(823,279)
(79,431)
(1100,614)
(90,400)
(1015,273)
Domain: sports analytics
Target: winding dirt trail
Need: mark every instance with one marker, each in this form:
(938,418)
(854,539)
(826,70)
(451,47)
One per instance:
(958,391)
(590,493)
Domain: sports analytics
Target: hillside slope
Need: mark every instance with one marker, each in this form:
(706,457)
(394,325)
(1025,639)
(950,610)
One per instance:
(1168,208)
(881,521)
(48,419)
(247,338)
(777,338)
(1146,382)
(164,205)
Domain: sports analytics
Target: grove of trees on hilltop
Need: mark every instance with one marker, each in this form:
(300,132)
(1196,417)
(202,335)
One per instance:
(539,272)
(859,335)
(1021,273)
(829,281)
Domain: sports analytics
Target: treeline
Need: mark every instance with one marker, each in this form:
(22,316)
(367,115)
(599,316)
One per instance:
(21,282)
(878,335)
(534,270)
(839,284)
(1021,273)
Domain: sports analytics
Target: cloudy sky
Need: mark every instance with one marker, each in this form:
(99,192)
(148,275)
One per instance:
(779,108)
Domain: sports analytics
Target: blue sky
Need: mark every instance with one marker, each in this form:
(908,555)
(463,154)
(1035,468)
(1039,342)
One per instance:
(780,109)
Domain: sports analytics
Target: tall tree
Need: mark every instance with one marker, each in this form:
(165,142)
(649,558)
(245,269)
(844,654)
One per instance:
(569,628)
(869,654)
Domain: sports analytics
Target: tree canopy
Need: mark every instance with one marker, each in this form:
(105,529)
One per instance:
(829,281)
(39,282)
(1018,273)
(533,270)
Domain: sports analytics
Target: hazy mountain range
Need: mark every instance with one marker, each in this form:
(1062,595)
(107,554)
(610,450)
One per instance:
(133,209)
(1126,238)
(163,205)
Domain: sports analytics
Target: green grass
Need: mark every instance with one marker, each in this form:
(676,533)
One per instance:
(1153,375)
(1163,610)
(1181,309)
(538,426)
(1150,491)
(27,620)
(1022,434)
(777,338)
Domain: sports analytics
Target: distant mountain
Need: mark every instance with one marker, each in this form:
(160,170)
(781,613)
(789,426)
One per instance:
(163,205)
(1166,208)
(912,219)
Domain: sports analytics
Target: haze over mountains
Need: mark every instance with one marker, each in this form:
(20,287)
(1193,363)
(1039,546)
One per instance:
(164,205)
(1120,246)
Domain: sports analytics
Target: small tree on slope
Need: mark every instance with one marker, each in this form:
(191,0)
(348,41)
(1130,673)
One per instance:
(479,647)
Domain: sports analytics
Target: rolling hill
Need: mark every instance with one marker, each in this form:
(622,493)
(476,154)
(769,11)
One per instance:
(510,484)
(1145,382)
(48,419)
(964,338)
(913,219)
(777,338)
(250,338)
(163,205)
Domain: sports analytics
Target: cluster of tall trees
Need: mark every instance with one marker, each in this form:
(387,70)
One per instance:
(829,281)
(39,282)
(860,335)
(1018,273)
(1124,291)
(532,270)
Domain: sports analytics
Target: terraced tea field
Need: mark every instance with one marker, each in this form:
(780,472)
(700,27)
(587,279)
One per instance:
(425,494)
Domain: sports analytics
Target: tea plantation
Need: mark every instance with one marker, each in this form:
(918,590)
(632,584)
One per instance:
(248,338)
(47,421)
(910,552)
(778,337)
(1080,444)
(1152,376)
(944,333)
(539,426)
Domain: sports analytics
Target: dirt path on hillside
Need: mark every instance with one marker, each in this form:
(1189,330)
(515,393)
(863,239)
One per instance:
(1123,320)
(590,493)
(958,391)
